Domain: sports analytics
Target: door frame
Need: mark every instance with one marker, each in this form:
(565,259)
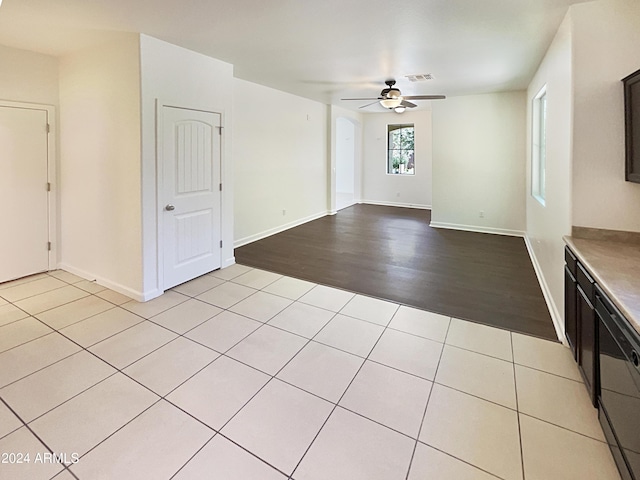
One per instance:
(160,180)
(53,197)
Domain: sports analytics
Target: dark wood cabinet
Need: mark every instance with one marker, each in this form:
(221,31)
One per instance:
(587,344)
(570,311)
(580,321)
(607,349)
(632,126)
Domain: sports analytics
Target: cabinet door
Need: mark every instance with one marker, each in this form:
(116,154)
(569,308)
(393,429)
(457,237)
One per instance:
(587,344)
(570,312)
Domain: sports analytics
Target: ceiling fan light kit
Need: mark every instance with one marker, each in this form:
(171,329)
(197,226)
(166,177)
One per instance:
(391,98)
(391,102)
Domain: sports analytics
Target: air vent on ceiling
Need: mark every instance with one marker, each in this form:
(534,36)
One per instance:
(421,77)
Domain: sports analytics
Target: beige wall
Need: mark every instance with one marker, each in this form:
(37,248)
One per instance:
(479,162)
(100,164)
(28,77)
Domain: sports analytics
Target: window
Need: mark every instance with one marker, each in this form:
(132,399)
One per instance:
(400,149)
(539,146)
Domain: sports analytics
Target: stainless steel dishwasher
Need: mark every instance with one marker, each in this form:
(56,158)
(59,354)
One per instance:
(619,396)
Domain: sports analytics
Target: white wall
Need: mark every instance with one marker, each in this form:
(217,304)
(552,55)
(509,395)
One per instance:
(281,153)
(28,77)
(606,36)
(176,76)
(479,162)
(388,189)
(100,164)
(345,156)
(547,224)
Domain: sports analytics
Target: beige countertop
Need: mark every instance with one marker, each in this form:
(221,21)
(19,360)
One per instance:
(615,266)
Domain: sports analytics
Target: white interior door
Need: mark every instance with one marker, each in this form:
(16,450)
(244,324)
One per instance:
(190,194)
(23,192)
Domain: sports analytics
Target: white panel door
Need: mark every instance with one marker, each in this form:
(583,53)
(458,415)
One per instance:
(190,194)
(24,225)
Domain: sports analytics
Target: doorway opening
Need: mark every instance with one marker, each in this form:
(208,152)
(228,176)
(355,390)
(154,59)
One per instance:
(345,163)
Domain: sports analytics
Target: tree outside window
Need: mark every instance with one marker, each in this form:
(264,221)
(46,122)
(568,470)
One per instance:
(401,152)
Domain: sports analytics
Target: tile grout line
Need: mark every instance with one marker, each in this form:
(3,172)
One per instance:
(117,371)
(194,455)
(46,366)
(82,320)
(35,294)
(515,387)
(219,431)
(351,353)
(74,395)
(272,376)
(424,414)
(26,425)
(337,404)
(159,399)
(24,280)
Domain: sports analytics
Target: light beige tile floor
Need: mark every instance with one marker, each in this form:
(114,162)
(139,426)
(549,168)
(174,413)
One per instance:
(246,374)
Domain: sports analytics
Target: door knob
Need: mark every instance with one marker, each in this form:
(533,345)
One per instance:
(169,207)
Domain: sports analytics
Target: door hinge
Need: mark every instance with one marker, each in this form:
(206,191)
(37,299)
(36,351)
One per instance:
(220,129)
(48,186)
(49,246)
(220,243)
(220,187)
(48,128)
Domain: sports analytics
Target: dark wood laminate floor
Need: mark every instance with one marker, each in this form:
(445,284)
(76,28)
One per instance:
(393,253)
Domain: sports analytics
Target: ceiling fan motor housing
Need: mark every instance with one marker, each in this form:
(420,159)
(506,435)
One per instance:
(393,93)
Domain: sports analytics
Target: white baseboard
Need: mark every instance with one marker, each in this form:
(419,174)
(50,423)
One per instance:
(556,317)
(116,287)
(478,229)
(281,228)
(396,204)
(228,262)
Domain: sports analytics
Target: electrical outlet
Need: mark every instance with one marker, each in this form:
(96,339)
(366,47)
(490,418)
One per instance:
(481,214)
(284,212)
(398,194)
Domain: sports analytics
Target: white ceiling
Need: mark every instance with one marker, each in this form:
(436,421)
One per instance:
(320,49)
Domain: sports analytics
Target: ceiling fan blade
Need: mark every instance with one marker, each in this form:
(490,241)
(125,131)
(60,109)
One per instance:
(369,104)
(408,104)
(372,98)
(424,97)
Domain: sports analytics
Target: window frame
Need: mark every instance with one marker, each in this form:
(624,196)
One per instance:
(389,167)
(539,146)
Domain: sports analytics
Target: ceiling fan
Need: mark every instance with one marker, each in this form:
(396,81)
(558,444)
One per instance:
(392,99)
